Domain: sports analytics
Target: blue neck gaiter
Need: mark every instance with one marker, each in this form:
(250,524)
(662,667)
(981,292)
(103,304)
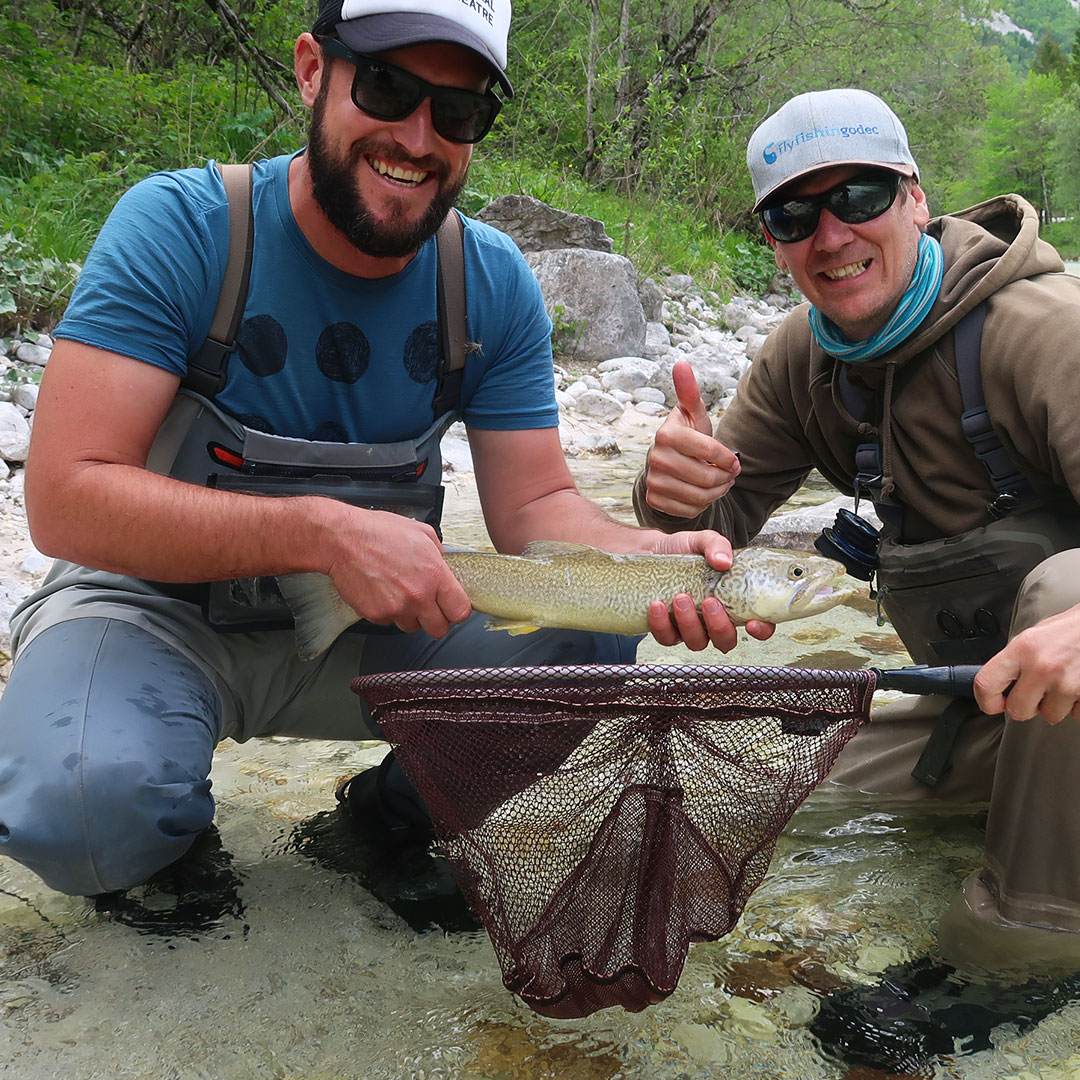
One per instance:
(912,309)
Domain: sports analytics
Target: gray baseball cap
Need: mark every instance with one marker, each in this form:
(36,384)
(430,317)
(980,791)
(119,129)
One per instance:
(375,26)
(821,129)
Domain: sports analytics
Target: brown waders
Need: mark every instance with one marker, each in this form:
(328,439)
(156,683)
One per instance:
(1012,913)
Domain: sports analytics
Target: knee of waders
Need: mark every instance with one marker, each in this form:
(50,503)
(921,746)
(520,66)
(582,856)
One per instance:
(1049,589)
(93,827)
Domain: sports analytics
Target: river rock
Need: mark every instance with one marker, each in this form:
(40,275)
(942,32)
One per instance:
(592,299)
(14,433)
(627,372)
(743,311)
(29,353)
(535,226)
(652,299)
(599,406)
(678,283)
(657,341)
(650,393)
(25,396)
(798,529)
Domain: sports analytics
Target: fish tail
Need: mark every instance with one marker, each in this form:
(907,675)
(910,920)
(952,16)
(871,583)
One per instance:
(320,615)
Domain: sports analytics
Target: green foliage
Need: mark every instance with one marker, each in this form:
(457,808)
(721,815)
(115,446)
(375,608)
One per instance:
(1065,236)
(1051,59)
(1064,153)
(33,288)
(565,333)
(751,263)
(1010,151)
(643,127)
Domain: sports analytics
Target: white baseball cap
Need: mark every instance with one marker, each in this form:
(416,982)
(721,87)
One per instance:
(821,129)
(374,26)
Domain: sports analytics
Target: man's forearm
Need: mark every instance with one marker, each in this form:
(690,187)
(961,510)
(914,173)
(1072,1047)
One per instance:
(126,520)
(568,515)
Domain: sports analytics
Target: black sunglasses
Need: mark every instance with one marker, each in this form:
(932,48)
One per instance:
(391,93)
(862,198)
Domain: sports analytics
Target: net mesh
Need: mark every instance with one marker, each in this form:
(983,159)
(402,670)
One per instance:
(600,818)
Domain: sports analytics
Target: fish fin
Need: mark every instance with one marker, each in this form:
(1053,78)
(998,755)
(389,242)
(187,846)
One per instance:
(511,626)
(547,549)
(320,615)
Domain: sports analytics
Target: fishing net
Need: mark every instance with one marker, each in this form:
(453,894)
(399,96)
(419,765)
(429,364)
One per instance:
(598,818)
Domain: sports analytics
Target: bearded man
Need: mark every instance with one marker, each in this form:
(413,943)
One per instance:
(338,382)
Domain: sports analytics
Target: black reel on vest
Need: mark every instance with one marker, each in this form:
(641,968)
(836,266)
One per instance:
(853,542)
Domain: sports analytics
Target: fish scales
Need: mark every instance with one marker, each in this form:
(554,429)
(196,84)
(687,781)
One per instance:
(587,590)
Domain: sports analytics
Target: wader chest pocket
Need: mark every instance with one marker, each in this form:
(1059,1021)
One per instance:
(250,604)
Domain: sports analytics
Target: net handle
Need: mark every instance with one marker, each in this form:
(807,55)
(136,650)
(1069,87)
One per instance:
(956,680)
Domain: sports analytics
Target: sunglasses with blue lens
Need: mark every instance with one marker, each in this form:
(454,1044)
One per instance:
(858,199)
(391,93)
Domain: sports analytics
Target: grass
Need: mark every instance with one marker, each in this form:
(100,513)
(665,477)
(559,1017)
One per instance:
(1065,236)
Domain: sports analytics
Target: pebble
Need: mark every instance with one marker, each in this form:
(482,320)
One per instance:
(32,354)
(750,1019)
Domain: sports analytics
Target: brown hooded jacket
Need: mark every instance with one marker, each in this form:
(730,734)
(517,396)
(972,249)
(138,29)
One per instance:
(788,417)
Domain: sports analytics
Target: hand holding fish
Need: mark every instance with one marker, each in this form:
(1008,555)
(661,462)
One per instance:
(687,469)
(1037,673)
(685,621)
(390,569)
(558,584)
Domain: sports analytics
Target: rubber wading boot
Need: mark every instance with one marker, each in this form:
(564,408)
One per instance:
(384,805)
(923,1009)
(381,837)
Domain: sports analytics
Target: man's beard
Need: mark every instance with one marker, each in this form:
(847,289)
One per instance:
(334,186)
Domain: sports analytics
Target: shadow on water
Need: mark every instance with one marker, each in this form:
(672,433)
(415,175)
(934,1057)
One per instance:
(411,879)
(197,894)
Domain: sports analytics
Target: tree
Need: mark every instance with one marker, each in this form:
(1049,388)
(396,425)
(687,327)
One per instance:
(1012,150)
(1064,121)
(1051,59)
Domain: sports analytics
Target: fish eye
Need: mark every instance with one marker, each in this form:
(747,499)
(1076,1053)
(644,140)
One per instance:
(795,570)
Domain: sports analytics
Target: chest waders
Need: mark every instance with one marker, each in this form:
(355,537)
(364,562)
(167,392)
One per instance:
(951,600)
(201,444)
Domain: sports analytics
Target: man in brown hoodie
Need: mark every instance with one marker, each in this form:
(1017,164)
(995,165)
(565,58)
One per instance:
(862,384)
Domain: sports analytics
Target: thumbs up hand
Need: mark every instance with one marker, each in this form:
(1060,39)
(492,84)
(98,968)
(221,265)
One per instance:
(687,469)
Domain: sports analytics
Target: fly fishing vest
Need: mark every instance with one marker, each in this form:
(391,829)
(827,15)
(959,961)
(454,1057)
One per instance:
(201,444)
(951,600)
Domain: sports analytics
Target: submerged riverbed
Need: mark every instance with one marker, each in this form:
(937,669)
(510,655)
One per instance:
(315,970)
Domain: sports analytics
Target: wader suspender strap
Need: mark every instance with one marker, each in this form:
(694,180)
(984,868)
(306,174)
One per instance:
(207,369)
(1010,487)
(453,314)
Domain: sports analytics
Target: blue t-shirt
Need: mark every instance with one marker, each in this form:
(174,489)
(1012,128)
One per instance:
(320,354)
